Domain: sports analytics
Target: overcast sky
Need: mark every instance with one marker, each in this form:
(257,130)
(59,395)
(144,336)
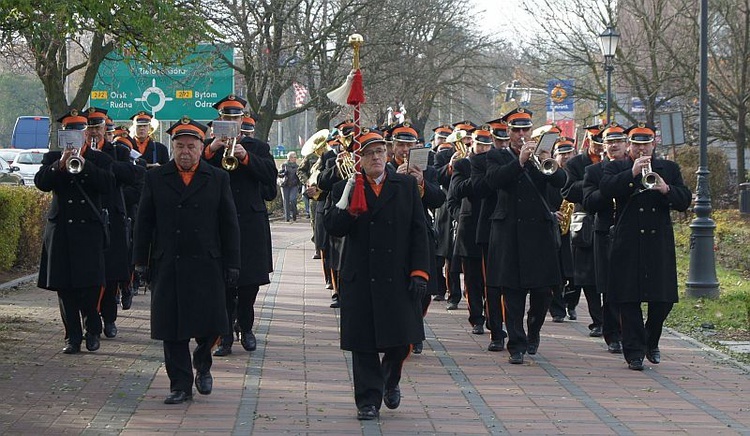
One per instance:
(501,16)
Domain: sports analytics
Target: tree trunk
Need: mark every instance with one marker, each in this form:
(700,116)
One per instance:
(741,140)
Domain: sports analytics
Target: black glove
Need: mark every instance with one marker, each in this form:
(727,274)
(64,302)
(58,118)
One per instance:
(231,277)
(418,287)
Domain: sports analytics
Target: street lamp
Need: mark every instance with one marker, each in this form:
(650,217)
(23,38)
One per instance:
(608,43)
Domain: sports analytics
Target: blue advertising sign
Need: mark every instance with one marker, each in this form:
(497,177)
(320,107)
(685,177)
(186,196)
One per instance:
(125,85)
(560,96)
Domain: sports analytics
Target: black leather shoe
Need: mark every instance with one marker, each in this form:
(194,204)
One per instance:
(572,314)
(558,319)
(367,413)
(248,341)
(92,342)
(335,302)
(316,255)
(72,348)
(126,298)
(438,297)
(392,397)
(654,356)
(496,345)
(178,397)
(478,330)
(223,350)
(451,306)
(615,347)
(516,358)
(416,348)
(204,382)
(596,332)
(329,285)
(636,364)
(110,329)
(532,348)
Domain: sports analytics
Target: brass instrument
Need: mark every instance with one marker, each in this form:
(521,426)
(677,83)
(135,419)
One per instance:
(316,144)
(456,138)
(346,163)
(648,176)
(566,208)
(228,161)
(74,164)
(547,166)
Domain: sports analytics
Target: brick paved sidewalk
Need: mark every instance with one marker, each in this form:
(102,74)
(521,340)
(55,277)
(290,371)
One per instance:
(298,381)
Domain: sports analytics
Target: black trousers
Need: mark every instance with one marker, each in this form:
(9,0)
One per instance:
(108,302)
(240,307)
(474,283)
(441,280)
(76,305)
(564,297)
(493,300)
(610,321)
(372,375)
(453,279)
(177,361)
(638,337)
(514,301)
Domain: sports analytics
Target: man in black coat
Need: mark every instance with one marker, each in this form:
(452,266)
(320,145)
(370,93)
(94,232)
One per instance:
(117,255)
(72,262)
(255,171)
(404,138)
(604,208)
(487,199)
(523,254)
(643,242)
(153,152)
(464,206)
(187,224)
(584,276)
(383,276)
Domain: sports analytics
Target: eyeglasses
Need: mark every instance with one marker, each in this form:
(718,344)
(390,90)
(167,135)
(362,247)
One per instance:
(520,129)
(370,153)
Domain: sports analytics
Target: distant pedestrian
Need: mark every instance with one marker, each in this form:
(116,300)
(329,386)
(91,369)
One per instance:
(290,184)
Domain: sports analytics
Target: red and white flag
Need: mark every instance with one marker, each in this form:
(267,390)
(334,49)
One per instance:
(300,94)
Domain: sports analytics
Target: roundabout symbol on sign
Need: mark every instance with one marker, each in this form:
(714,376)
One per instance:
(153,89)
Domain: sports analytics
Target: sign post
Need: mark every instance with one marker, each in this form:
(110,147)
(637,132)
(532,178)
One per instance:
(125,86)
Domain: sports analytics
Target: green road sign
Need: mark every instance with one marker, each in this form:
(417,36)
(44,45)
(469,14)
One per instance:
(125,86)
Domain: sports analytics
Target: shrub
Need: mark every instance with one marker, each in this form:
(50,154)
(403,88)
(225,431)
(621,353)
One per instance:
(22,217)
(723,192)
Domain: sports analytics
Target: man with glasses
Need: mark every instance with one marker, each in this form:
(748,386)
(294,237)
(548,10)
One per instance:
(523,252)
(615,147)
(384,275)
(643,242)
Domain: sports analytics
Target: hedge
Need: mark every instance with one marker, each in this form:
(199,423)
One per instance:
(23,211)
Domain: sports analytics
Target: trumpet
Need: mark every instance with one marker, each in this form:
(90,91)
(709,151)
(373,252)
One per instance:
(229,162)
(547,166)
(648,177)
(74,164)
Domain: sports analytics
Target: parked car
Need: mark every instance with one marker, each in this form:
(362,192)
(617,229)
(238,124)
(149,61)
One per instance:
(28,163)
(9,154)
(30,132)
(8,175)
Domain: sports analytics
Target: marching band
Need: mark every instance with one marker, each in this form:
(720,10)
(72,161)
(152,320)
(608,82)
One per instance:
(393,229)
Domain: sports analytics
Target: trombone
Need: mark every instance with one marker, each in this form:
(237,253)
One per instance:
(547,166)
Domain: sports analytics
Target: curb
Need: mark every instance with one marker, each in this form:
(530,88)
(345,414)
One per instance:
(19,281)
(709,349)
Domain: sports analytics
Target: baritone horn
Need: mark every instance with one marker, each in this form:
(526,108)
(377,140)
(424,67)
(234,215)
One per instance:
(648,176)
(456,138)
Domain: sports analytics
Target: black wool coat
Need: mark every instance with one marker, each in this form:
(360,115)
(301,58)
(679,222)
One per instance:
(604,211)
(444,229)
(73,244)
(522,252)
(155,152)
(464,208)
(248,183)
(487,195)
(642,244)
(383,246)
(192,236)
(117,256)
(583,257)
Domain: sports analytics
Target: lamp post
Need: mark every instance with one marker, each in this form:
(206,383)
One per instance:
(608,43)
(702,281)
